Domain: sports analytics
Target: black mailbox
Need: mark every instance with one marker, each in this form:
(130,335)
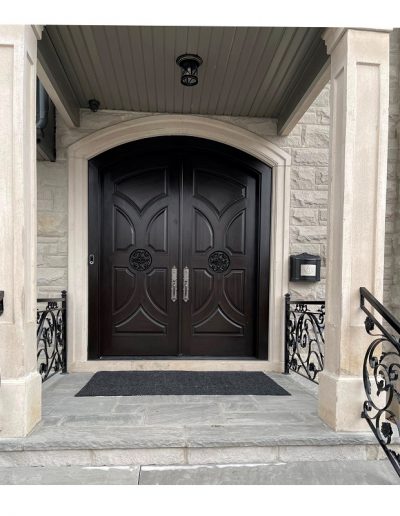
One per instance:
(305,267)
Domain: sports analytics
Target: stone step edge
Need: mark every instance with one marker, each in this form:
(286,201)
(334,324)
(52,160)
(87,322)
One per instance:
(28,443)
(189,456)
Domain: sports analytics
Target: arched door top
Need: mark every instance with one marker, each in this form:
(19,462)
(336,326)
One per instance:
(179,125)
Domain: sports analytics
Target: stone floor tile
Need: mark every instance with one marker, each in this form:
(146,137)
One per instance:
(80,406)
(184,414)
(148,400)
(51,421)
(238,406)
(109,420)
(265,418)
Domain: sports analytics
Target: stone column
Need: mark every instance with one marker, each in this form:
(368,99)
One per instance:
(356,218)
(20,388)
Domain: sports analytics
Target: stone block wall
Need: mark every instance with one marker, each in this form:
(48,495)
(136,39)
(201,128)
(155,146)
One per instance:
(52,244)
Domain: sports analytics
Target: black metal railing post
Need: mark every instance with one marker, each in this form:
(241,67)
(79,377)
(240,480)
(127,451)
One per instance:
(304,337)
(64,336)
(287,332)
(381,375)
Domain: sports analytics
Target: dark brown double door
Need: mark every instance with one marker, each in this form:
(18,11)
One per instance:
(174,255)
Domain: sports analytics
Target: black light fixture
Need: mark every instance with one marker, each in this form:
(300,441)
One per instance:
(94,105)
(189,64)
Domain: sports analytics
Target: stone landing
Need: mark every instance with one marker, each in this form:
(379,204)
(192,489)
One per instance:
(182,430)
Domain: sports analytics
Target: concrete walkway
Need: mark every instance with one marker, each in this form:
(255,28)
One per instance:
(304,473)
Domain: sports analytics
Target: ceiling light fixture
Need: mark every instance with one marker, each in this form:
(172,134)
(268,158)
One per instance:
(189,64)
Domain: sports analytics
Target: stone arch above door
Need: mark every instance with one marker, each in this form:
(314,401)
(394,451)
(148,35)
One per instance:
(173,125)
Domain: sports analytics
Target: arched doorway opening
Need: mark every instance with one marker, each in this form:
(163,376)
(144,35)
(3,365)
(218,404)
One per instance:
(179,245)
(113,136)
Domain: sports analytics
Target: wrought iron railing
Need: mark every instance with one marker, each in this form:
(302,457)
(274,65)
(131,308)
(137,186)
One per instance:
(52,335)
(381,374)
(305,342)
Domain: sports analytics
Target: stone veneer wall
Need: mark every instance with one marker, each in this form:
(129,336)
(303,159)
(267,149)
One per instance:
(308,145)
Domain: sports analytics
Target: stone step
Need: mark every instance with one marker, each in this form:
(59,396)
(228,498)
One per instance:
(335,472)
(181,430)
(157,451)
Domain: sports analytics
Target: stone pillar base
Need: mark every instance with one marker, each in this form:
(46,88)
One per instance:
(21,405)
(341,400)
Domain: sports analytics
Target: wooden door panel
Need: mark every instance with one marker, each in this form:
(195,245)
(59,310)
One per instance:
(202,290)
(157,231)
(218,323)
(123,288)
(203,233)
(234,290)
(124,235)
(139,247)
(144,187)
(220,206)
(138,322)
(156,289)
(235,234)
(216,190)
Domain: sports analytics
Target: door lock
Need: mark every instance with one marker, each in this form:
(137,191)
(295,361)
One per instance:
(91,259)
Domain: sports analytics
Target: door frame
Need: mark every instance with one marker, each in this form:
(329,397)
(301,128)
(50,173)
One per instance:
(253,167)
(82,151)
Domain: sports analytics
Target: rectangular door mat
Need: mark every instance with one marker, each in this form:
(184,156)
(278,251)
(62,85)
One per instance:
(147,383)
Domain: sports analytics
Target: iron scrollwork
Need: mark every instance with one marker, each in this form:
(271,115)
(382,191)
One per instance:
(51,336)
(305,341)
(381,376)
(140,260)
(219,261)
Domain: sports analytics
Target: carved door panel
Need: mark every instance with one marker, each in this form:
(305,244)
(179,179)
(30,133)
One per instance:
(219,230)
(140,220)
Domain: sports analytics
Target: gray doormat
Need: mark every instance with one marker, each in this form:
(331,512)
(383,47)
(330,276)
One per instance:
(147,383)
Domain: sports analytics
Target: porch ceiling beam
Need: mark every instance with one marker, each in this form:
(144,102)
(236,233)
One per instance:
(305,89)
(52,75)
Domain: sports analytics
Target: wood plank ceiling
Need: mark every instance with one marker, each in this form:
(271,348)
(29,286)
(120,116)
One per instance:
(245,72)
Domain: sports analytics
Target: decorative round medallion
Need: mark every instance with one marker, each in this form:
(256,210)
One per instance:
(140,260)
(219,261)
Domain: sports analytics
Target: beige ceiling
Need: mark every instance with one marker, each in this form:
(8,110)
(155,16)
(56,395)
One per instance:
(245,71)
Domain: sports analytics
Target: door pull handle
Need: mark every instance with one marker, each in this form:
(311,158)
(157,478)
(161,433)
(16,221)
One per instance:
(174,284)
(186,284)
